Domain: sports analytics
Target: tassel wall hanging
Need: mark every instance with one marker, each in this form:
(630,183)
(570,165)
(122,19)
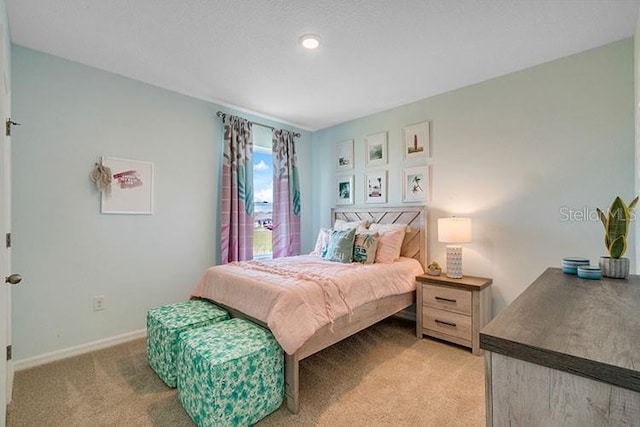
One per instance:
(101,176)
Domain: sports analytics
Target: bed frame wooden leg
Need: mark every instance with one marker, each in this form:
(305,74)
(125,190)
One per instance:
(291,372)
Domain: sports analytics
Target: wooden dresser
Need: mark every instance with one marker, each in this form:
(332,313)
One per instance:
(453,309)
(565,353)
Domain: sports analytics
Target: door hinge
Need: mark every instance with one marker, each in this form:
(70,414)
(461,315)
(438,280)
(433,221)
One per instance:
(8,125)
(8,240)
(8,352)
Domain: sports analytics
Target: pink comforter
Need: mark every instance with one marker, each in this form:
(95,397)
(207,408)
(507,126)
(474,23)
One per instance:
(296,296)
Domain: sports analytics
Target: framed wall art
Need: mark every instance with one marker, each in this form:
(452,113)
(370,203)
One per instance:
(375,186)
(416,141)
(344,190)
(415,184)
(376,149)
(344,155)
(131,187)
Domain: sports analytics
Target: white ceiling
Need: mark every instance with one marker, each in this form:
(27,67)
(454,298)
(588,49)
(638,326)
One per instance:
(375,54)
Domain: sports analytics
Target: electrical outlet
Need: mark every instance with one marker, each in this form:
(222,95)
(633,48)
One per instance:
(98,303)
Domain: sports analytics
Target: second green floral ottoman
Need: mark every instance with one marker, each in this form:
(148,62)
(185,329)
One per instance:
(164,326)
(230,373)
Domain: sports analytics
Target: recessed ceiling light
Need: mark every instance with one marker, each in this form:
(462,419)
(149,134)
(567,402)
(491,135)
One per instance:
(310,41)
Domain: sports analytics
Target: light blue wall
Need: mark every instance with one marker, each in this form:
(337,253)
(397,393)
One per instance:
(65,249)
(515,154)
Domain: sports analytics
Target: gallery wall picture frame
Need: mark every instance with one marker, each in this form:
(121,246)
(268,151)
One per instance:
(344,190)
(415,184)
(131,187)
(344,155)
(375,187)
(416,141)
(376,147)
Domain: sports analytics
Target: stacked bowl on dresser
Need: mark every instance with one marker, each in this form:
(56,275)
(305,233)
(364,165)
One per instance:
(570,264)
(580,267)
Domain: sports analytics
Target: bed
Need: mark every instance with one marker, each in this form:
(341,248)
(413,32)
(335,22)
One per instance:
(357,307)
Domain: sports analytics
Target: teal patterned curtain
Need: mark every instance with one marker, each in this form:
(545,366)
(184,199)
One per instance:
(286,196)
(237,191)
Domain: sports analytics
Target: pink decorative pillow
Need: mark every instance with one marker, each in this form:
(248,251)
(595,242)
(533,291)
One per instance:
(389,242)
(321,241)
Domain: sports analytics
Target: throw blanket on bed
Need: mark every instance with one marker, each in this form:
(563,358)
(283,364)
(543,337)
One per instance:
(296,296)
(323,280)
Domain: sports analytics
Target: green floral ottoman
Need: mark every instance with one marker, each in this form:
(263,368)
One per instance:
(164,326)
(230,373)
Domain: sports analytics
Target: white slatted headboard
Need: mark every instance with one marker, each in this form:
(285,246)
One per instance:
(415,241)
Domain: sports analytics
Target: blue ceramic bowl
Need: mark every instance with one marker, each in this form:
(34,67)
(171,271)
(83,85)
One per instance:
(587,272)
(570,264)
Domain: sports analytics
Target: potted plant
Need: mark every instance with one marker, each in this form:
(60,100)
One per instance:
(434,269)
(616,228)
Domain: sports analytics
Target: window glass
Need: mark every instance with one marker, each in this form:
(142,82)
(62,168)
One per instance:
(262,194)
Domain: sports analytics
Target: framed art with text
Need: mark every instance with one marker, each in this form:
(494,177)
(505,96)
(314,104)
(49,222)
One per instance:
(131,187)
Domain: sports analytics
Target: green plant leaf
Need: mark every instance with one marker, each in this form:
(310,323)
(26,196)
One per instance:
(603,217)
(617,221)
(616,225)
(618,247)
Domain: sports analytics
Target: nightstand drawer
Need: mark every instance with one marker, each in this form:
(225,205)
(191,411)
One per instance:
(451,299)
(446,322)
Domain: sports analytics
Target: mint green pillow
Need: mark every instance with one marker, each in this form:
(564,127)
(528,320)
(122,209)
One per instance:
(340,245)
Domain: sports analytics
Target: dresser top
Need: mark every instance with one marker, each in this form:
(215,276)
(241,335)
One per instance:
(585,327)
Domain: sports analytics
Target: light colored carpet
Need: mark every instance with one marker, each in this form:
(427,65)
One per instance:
(383,376)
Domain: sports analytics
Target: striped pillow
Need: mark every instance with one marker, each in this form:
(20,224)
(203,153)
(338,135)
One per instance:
(390,241)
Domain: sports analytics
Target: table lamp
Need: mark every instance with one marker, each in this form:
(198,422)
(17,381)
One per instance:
(454,230)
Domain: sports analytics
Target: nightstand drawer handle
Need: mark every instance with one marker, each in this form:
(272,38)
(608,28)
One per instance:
(445,323)
(446,300)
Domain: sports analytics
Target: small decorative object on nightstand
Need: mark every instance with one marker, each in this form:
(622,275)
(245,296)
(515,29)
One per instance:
(453,309)
(434,269)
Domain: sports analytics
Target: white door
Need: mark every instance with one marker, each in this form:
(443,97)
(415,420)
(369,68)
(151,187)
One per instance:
(5,221)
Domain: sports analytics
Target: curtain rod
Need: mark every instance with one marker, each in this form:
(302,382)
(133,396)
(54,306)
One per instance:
(223,115)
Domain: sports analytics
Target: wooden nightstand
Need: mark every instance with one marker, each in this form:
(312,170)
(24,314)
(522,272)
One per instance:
(453,309)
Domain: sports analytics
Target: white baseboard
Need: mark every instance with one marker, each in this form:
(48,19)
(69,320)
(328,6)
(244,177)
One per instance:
(19,365)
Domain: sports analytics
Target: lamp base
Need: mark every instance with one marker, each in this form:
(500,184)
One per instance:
(454,262)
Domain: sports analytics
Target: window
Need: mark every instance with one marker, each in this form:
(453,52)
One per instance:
(262,193)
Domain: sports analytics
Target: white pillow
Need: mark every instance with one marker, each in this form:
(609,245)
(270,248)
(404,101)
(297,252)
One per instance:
(321,241)
(389,242)
(360,226)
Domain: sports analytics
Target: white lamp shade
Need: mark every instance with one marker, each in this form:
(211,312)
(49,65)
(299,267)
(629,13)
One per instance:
(454,230)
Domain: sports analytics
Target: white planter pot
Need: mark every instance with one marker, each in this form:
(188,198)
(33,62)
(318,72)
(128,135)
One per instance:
(616,268)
